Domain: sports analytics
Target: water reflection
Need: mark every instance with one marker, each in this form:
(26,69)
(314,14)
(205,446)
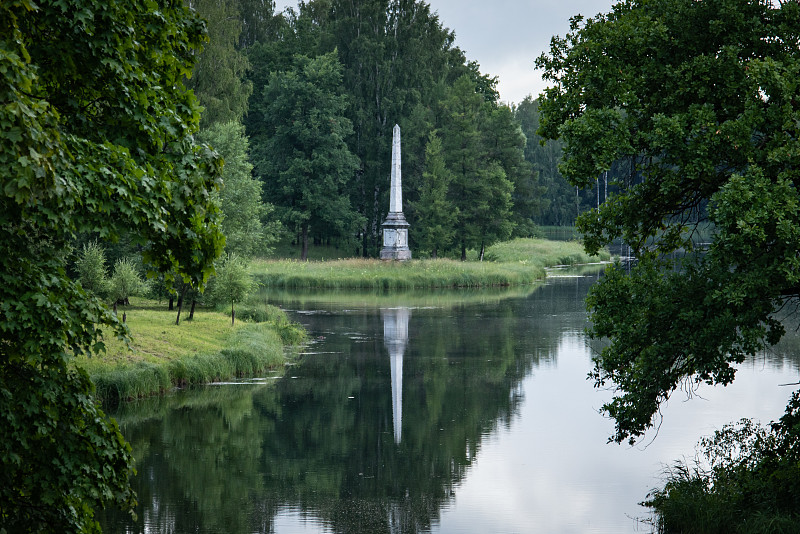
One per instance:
(395,338)
(492,427)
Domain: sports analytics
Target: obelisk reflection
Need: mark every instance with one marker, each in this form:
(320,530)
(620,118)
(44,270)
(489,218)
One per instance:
(395,338)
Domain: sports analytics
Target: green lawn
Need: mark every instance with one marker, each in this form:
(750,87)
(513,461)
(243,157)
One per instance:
(163,355)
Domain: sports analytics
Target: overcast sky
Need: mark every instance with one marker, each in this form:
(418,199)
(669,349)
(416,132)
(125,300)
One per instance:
(506,36)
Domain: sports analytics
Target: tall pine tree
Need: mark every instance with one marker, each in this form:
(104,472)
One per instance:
(435,214)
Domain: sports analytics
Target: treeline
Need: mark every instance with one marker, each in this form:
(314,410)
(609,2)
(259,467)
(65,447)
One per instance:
(301,105)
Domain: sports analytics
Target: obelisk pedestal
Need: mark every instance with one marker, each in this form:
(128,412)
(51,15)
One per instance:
(395,227)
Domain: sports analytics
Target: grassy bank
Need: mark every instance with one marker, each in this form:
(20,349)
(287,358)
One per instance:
(518,262)
(207,348)
(543,252)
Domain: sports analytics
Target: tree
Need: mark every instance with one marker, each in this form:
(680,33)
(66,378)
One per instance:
(125,281)
(544,155)
(505,144)
(702,98)
(434,214)
(258,18)
(301,154)
(248,223)
(96,137)
(232,282)
(480,190)
(91,267)
(218,78)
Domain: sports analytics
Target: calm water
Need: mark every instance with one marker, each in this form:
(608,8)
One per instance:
(422,414)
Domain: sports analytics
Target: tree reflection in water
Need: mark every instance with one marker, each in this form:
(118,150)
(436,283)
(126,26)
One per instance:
(322,440)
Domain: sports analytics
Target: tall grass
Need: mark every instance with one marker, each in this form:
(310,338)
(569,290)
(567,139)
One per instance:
(378,298)
(163,356)
(543,252)
(375,274)
(518,262)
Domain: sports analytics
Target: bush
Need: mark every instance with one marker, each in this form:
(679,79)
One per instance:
(747,481)
(232,282)
(91,267)
(126,281)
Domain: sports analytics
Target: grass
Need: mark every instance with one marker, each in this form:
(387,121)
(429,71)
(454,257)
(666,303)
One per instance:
(375,274)
(518,262)
(162,355)
(543,252)
(372,298)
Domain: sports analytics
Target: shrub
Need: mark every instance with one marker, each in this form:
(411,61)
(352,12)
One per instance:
(747,481)
(126,281)
(232,282)
(91,267)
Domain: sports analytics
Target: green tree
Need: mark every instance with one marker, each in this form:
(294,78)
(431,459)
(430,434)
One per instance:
(248,223)
(125,281)
(480,189)
(218,79)
(258,19)
(544,155)
(99,140)
(703,100)
(435,215)
(301,154)
(91,267)
(232,283)
(505,142)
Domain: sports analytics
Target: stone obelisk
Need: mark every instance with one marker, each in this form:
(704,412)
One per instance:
(395,227)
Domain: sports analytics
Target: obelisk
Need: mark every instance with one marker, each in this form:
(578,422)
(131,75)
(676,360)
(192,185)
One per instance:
(395,227)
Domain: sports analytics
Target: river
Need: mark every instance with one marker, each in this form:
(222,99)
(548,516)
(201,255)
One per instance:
(435,412)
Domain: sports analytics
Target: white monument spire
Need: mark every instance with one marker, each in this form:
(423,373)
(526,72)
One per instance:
(396,191)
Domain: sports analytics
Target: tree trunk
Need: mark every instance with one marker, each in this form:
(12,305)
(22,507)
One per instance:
(180,305)
(304,251)
(433,254)
(463,252)
(191,311)
(171,303)
(483,249)
(233,314)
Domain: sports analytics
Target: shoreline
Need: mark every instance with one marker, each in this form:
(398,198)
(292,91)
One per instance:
(208,349)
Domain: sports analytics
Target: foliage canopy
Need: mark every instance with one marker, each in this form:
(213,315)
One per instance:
(703,100)
(95,137)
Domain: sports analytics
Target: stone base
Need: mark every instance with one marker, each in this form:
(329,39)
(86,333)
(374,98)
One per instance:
(392,253)
(395,238)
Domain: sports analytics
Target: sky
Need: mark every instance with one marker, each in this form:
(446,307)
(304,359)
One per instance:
(506,36)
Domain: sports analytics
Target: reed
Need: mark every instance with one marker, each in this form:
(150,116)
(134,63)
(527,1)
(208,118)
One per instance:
(518,262)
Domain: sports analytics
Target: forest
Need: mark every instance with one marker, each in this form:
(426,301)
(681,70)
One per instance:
(301,106)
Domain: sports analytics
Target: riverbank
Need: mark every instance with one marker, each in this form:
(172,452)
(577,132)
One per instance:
(163,355)
(512,263)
